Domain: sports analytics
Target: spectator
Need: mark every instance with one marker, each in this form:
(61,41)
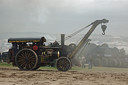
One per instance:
(83,61)
(90,62)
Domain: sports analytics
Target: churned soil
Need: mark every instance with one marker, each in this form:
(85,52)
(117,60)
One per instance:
(13,76)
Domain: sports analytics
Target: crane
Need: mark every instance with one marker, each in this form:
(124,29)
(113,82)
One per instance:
(64,63)
(94,25)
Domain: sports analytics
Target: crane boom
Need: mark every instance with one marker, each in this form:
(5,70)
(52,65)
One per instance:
(94,25)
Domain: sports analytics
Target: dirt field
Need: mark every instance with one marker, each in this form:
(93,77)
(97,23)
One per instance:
(13,76)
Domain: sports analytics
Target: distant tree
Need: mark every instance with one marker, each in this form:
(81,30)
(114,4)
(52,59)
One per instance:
(122,51)
(105,45)
(115,52)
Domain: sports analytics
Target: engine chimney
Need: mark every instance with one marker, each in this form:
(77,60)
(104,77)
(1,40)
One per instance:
(62,39)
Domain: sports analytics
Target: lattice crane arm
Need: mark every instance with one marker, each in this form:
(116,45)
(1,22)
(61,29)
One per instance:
(82,42)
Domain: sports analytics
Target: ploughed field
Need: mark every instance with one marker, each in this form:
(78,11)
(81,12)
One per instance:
(77,76)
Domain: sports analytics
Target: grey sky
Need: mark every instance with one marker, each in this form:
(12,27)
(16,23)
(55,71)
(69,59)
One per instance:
(62,16)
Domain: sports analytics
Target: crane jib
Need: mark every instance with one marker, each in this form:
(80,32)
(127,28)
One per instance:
(94,25)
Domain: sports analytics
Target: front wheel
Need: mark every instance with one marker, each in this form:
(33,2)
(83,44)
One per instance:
(63,64)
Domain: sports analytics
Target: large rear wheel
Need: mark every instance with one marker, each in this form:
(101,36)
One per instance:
(63,64)
(26,59)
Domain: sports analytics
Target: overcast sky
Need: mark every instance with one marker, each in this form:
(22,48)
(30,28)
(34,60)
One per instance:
(62,16)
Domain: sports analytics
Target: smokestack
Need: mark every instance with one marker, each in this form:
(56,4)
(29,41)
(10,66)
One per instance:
(62,39)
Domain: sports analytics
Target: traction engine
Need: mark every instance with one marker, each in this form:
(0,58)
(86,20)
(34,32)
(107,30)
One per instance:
(32,53)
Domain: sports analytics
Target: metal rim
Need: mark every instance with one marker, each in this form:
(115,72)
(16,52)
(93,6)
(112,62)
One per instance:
(63,64)
(26,59)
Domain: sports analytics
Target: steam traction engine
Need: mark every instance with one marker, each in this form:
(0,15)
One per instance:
(31,53)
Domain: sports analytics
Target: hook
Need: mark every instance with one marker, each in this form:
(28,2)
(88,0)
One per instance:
(103,33)
(103,29)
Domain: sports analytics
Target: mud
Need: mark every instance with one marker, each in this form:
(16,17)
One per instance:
(13,76)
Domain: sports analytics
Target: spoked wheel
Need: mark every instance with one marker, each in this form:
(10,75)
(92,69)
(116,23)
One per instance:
(63,64)
(26,59)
